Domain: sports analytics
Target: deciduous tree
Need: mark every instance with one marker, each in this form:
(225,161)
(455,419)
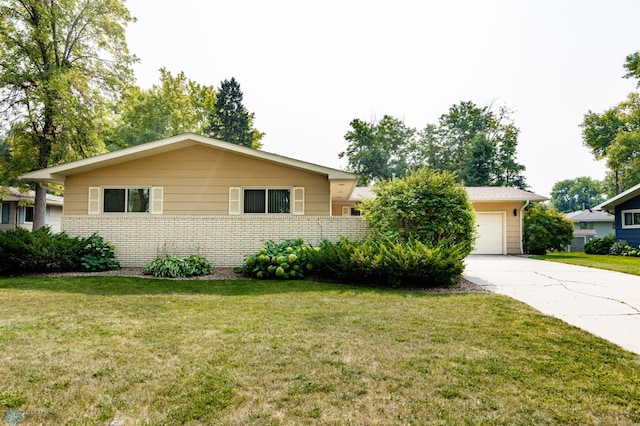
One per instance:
(63,63)
(375,149)
(576,194)
(175,105)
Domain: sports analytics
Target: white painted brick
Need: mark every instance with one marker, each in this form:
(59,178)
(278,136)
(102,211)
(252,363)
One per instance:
(224,240)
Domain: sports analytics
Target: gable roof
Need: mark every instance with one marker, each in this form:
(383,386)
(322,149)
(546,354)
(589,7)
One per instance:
(625,196)
(590,216)
(9,193)
(342,183)
(475,193)
(56,174)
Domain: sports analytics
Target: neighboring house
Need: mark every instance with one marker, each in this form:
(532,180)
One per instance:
(17,209)
(589,224)
(192,194)
(626,210)
(498,216)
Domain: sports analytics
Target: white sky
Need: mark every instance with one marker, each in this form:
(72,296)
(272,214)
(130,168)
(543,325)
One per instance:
(308,68)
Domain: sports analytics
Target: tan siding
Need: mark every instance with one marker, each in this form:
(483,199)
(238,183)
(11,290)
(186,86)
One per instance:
(196,181)
(513,222)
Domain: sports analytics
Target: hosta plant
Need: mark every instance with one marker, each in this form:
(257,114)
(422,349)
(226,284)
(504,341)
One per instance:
(287,259)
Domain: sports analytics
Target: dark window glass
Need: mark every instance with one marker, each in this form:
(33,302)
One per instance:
(114,200)
(254,201)
(28,214)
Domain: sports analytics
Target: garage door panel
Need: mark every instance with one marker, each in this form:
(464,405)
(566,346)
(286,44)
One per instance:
(490,236)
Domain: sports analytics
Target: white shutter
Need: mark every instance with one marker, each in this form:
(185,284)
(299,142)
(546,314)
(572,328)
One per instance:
(94,200)
(346,211)
(235,200)
(157,195)
(298,201)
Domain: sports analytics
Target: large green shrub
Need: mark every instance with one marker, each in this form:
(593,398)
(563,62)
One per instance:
(546,229)
(600,245)
(426,205)
(23,251)
(389,262)
(284,260)
(168,266)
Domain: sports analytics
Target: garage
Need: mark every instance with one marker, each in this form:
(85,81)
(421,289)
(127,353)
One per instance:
(491,233)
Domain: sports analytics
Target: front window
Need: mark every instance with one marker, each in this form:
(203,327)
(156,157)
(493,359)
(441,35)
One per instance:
(631,218)
(126,200)
(267,201)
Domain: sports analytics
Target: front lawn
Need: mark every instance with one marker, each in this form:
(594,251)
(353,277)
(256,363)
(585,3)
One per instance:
(95,350)
(626,264)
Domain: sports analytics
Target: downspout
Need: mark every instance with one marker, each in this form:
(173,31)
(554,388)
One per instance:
(522,226)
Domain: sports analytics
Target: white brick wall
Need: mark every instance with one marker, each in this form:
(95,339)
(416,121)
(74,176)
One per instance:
(224,240)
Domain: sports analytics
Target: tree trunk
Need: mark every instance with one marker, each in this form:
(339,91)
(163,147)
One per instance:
(40,208)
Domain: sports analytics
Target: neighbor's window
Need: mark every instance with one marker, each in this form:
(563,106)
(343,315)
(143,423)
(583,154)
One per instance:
(631,218)
(267,200)
(126,200)
(5,212)
(28,213)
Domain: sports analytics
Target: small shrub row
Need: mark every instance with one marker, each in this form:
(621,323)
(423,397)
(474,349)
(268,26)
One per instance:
(390,262)
(609,245)
(378,261)
(23,251)
(288,259)
(168,266)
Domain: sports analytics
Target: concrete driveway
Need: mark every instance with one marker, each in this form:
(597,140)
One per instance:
(603,303)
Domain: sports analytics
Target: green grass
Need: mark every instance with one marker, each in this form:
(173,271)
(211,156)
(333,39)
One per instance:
(91,350)
(626,264)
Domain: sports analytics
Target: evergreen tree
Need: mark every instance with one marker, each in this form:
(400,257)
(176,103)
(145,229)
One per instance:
(231,122)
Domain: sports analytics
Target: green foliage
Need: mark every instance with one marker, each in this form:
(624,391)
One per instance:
(288,259)
(426,205)
(389,262)
(570,195)
(230,121)
(375,149)
(98,255)
(175,105)
(168,266)
(600,245)
(609,245)
(477,143)
(614,135)
(22,251)
(62,64)
(545,229)
(622,248)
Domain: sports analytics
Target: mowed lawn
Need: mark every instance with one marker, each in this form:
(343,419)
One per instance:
(96,350)
(626,264)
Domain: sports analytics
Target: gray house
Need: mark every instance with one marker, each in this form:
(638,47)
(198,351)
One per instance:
(16,209)
(589,224)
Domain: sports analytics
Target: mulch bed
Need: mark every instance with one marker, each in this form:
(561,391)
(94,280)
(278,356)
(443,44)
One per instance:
(463,286)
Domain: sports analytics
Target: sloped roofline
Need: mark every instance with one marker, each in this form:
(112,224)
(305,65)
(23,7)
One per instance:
(622,197)
(486,194)
(57,174)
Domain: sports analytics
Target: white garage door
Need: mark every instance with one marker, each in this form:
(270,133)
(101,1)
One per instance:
(490,233)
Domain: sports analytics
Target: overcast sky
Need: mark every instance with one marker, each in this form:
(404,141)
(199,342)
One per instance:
(308,68)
